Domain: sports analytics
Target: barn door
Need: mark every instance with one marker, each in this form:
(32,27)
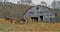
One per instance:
(41,17)
(34,19)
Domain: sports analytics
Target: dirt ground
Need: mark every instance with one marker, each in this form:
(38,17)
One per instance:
(29,27)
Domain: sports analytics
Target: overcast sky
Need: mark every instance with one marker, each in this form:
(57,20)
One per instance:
(34,1)
(38,1)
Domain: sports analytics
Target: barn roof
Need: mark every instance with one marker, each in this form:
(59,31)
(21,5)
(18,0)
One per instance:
(37,6)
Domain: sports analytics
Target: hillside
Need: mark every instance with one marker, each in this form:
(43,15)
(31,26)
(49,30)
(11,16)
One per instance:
(12,10)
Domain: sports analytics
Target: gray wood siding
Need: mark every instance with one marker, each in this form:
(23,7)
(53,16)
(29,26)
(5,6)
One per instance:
(42,11)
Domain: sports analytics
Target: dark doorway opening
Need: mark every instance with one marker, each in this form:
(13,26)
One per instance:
(41,17)
(34,19)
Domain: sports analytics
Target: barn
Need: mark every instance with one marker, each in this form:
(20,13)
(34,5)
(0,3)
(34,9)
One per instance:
(39,13)
(35,13)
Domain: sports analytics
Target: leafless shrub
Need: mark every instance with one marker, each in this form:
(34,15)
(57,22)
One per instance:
(20,21)
(9,20)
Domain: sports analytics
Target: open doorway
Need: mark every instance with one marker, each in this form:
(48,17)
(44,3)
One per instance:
(41,17)
(34,19)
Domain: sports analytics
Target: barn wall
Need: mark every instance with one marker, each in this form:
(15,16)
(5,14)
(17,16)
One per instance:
(31,13)
(43,11)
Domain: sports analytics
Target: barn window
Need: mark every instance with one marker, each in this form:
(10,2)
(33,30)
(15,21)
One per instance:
(55,14)
(37,8)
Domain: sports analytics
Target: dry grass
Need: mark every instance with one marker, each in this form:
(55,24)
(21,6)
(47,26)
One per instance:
(29,27)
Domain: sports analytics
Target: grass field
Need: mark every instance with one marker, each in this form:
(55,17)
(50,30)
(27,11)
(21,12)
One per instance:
(29,27)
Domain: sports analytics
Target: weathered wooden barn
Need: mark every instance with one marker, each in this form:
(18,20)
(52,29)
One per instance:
(39,13)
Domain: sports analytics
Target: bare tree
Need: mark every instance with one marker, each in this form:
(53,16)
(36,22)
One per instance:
(43,3)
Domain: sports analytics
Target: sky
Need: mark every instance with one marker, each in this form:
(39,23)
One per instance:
(34,1)
(38,1)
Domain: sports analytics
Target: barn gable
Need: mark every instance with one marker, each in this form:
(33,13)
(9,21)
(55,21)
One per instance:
(41,13)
